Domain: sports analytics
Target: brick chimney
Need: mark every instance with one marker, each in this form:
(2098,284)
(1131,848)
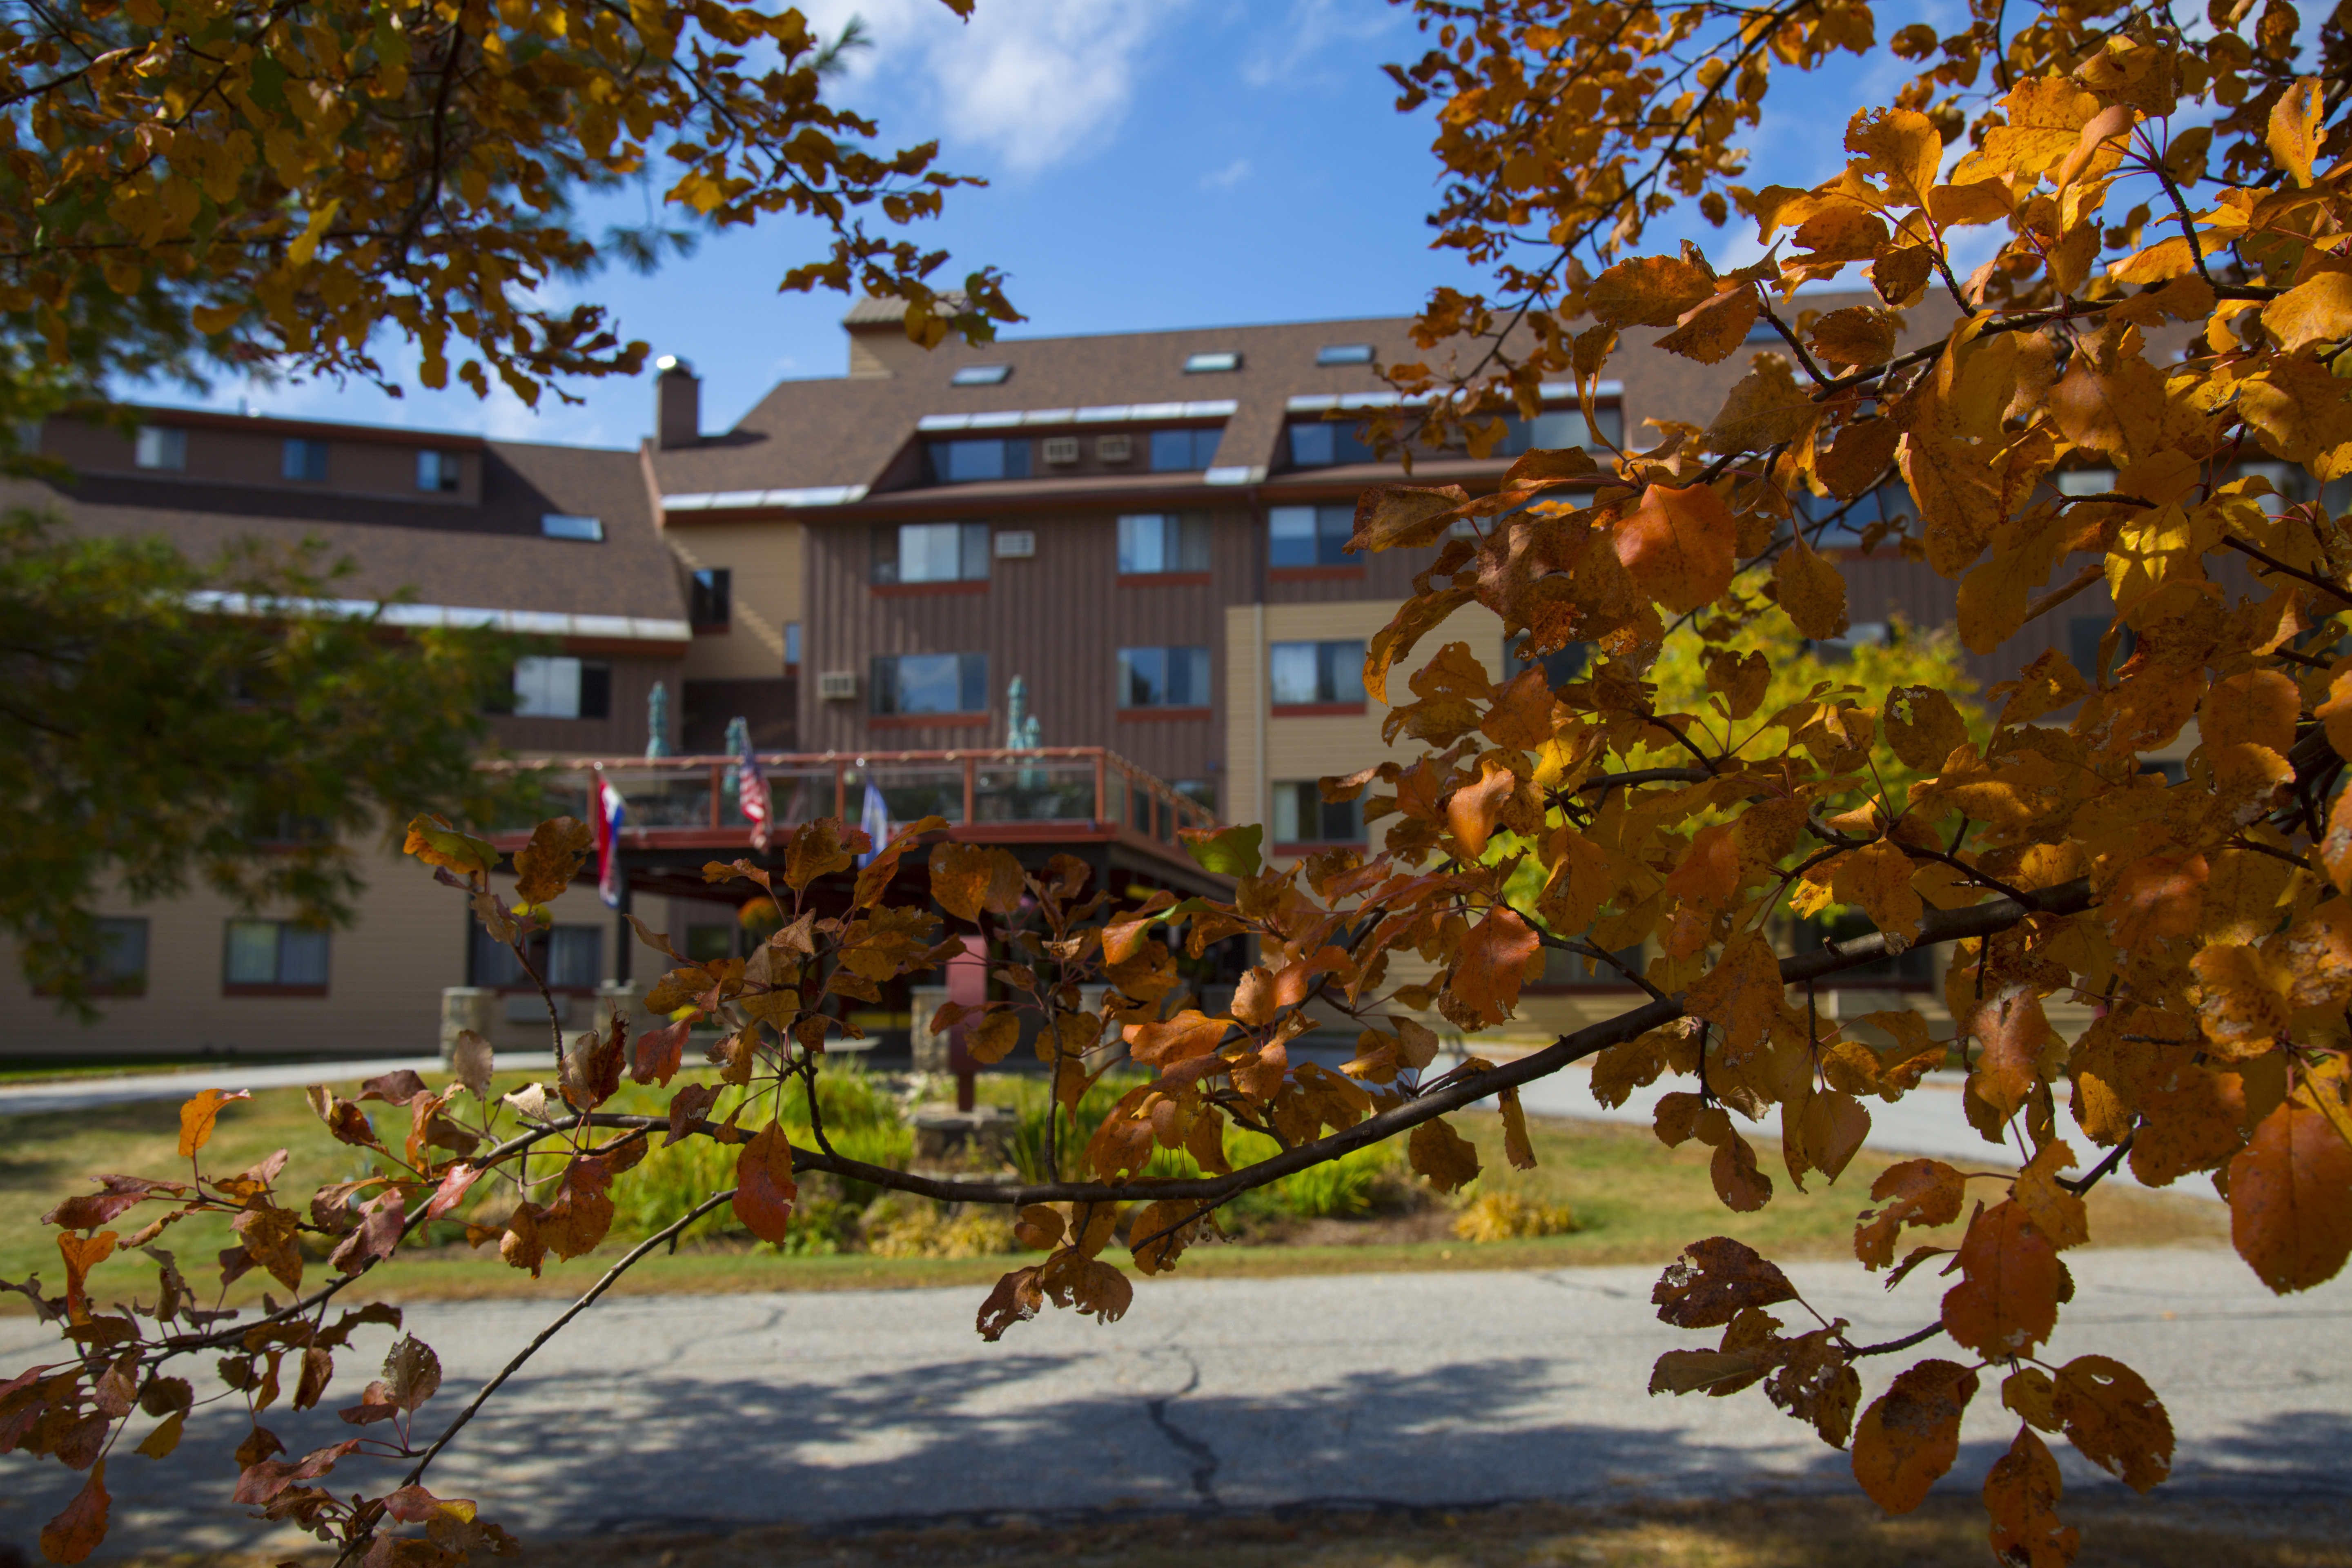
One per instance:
(677,404)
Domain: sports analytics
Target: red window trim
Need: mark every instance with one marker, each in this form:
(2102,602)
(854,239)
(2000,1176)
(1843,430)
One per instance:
(710,628)
(1314,573)
(533,990)
(231,989)
(98,988)
(1162,579)
(1315,709)
(927,721)
(1147,714)
(928,590)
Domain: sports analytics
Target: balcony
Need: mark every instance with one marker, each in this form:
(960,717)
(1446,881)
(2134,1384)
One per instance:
(1058,795)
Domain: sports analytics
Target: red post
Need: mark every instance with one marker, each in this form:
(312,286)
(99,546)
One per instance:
(967,984)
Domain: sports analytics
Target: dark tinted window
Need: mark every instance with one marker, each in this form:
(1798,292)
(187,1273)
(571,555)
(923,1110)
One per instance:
(930,683)
(1180,451)
(1301,815)
(1309,536)
(709,597)
(964,462)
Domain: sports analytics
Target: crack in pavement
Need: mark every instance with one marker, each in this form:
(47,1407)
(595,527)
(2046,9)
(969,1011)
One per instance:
(1204,1459)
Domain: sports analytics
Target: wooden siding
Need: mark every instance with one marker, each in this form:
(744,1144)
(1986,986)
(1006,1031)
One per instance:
(1057,618)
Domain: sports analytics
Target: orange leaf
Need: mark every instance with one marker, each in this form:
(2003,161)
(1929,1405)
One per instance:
(1743,1188)
(1679,546)
(82,1255)
(1715,1280)
(1742,996)
(2155,899)
(2114,1420)
(765,1188)
(1812,591)
(1494,964)
(545,865)
(1647,291)
(2021,1493)
(1709,873)
(2010,1284)
(1437,1152)
(969,878)
(2014,1032)
(2291,1198)
(75,1533)
(1911,1434)
(1471,810)
(196,1118)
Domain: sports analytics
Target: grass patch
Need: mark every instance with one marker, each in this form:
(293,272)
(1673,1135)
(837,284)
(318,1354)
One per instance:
(1633,1200)
(1946,1532)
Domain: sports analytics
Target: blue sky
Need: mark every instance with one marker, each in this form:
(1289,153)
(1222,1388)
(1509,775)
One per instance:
(1182,163)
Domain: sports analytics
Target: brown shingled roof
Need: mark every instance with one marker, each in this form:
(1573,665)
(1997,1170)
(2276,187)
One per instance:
(492,556)
(846,430)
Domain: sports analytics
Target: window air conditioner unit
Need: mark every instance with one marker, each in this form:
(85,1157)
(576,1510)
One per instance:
(837,686)
(1016,545)
(1062,449)
(1114,449)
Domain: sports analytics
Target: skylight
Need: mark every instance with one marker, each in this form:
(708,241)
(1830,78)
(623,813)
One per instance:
(1196,364)
(1344,353)
(979,375)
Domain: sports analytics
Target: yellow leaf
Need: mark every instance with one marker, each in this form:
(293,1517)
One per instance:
(1812,591)
(1878,878)
(1647,291)
(2295,128)
(2316,309)
(1678,546)
(1711,330)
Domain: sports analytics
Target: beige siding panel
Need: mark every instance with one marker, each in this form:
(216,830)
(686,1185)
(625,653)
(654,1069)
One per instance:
(765,561)
(384,978)
(1319,746)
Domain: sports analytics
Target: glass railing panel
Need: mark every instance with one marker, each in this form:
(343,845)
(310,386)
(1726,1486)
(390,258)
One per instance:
(1042,792)
(908,794)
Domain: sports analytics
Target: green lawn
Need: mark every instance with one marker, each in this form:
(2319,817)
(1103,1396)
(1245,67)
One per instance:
(1636,1202)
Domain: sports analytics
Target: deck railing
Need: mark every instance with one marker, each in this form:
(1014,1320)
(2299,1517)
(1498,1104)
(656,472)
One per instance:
(997,793)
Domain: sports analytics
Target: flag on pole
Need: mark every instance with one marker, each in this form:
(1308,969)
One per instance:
(608,813)
(874,818)
(752,794)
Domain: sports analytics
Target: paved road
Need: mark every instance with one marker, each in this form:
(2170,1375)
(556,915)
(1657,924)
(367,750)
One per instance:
(657,1412)
(83,1093)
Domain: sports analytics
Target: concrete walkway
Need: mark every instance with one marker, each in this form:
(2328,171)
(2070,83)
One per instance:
(657,1413)
(83,1093)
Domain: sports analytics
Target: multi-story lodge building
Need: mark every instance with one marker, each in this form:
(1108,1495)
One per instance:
(1145,529)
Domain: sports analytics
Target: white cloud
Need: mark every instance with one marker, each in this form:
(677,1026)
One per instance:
(1035,83)
(1232,174)
(1307,35)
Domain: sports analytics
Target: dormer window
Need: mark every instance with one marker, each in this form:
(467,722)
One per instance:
(1344,353)
(162,448)
(437,471)
(566,525)
(1227,359)
(304,460)
(981,376)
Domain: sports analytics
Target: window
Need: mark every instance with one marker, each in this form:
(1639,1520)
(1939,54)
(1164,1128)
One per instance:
(162,448)
(563,525)
(1163,541)
(569,958)
(2084,635)
(1308,674)
(1860,634)
(1325,443)
(304,460)
(930,552)
(1196,365)
(1180,451)
(1301,815)
(1560,428)
(562,688)
(710,944)
(1561,667)
(274,955)
(119,967)
(1344,353)
(916,683)
(963,462)
(1309,536)
(1888,503)
(792,647)
(1201,792)
(2084,481)
(709,593)
(1163,678)
(437,471)
(981,376)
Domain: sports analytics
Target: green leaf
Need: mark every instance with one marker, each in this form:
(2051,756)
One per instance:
(1231,852)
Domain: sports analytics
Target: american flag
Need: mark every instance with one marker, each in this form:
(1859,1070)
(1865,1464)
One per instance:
(608,813)
(751,791)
